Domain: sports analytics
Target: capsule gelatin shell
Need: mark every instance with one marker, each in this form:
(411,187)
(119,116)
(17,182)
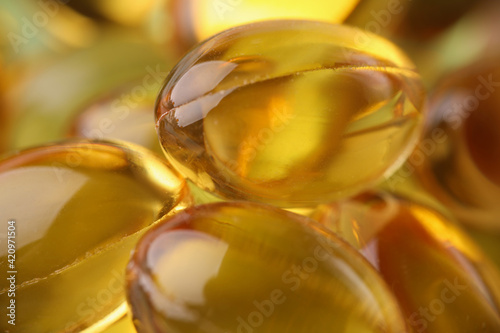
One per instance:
(292,113)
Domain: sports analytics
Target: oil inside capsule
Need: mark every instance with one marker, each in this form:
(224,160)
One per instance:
(440,278)
(292,113)
(76,210)
(243,267)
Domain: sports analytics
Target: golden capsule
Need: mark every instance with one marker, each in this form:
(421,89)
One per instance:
(123,115)
(459,158)
(290,112)
(77,210)
(441,280)
(200,19)
(243,267)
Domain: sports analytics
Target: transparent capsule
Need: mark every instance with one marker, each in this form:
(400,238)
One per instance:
(76,210)
(290,112)
(244,267)
(460,154)
(197,20)
(441,279)
(123,115)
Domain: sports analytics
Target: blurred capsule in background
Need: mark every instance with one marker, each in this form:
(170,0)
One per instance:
(408,19)
(79,208)
(441,279)
(459,157)
(461,165)
(290,112)
(197,20)
(151,17)
(240,267)
(472,38)
(439,35)
(43,102)
(33,31)
(126,12)
(125,114)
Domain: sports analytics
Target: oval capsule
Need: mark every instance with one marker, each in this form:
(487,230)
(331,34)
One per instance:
(240,267)
(440,278)
(292,113)
(460,152)
(124,114)
(77,209)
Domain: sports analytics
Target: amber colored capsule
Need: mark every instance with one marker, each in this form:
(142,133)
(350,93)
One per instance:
(290,112)
(245,267)
(76,210)
(460,153)
(441,280)
(123,115)
(197,20)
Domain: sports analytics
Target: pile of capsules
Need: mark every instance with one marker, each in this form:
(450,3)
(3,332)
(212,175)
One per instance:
(292,174)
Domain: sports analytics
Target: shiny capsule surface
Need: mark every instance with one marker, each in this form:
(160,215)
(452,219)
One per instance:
(441,279)
(290,112)
(462,145)
(197,20)
(78,209)
(242,267)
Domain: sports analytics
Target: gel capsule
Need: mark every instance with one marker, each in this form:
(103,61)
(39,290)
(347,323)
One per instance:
(462,145)
(123,115)
(290,112)
(77,209)
(197,20)
(242,267)
(442,281)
